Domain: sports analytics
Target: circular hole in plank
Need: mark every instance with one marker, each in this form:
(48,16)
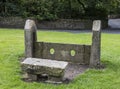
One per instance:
(52,51)
(72,52)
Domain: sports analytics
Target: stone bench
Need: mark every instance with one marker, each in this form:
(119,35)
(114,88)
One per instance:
(47,67)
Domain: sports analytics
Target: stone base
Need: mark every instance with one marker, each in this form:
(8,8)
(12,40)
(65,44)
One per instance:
(37,69)
(71,71)
(44,78)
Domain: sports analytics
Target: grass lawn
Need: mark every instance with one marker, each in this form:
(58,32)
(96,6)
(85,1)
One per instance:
(12,48)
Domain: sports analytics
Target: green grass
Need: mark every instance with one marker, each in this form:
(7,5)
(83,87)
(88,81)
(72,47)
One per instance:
(12,48)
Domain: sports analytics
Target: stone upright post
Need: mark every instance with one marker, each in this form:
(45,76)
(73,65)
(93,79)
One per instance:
(96,45)
(30,37)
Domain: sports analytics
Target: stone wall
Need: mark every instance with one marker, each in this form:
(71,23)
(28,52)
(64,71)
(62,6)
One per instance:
(12,22)
(114,16)
(17,22)
(65,24)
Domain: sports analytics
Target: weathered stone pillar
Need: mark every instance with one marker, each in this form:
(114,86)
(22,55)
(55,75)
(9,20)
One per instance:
(30,37)
(96,43)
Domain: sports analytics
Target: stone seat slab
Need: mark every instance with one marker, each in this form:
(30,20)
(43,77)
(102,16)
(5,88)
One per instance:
(44,66)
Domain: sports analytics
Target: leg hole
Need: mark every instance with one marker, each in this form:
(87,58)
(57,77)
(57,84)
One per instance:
(52,51)
(72,52)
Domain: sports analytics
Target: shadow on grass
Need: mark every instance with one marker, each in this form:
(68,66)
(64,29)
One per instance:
(112,65)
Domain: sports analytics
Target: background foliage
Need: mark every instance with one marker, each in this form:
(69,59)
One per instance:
(60,9)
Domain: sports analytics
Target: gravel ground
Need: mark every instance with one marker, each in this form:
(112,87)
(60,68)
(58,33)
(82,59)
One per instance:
(73,70)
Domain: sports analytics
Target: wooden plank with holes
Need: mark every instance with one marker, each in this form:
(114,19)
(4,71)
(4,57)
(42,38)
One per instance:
(62,52)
